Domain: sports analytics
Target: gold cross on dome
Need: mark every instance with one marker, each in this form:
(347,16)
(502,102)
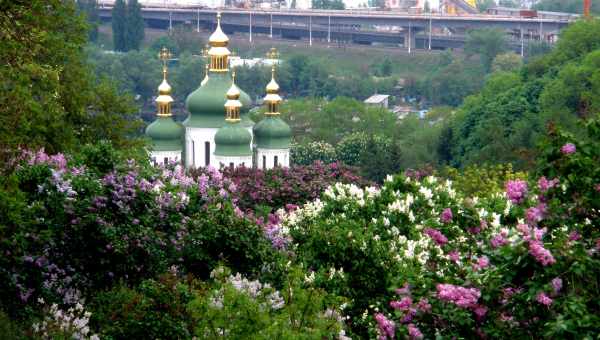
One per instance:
(164,55)
(273,53)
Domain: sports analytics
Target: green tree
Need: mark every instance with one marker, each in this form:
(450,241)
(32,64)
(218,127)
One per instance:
(328,4)
(487,43)
(51,98)
(134,33)
(483,5)
(507,62)
(569,6)
(119,25)
(90,9)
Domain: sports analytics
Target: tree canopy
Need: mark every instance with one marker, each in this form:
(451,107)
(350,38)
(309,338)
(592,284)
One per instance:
(52,99)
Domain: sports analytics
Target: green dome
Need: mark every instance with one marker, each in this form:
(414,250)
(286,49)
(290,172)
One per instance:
(233,140)
(166,134)
(272,133)
(206,103)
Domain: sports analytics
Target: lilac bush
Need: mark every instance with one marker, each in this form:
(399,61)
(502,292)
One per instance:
(468,266)
(75,227)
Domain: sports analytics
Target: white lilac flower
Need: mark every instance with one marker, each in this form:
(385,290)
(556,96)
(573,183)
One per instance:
(309,278)
(426,192)
(495,220)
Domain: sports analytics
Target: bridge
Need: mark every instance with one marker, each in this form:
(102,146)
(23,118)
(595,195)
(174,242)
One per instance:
(357,26)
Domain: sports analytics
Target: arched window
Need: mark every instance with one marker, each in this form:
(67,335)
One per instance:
(275,159)
(264,162)
(193,154)
(207,153)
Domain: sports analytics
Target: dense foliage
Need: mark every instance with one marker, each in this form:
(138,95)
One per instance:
(515,262)
(505,121)
(272,189)
(127,25)
(50,96)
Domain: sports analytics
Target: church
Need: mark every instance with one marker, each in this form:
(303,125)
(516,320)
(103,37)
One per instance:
(218,131)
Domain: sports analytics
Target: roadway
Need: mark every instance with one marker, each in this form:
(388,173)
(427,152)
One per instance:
(356,25)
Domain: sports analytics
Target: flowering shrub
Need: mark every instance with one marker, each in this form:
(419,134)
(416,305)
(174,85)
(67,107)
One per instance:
(58,323)
(72,227)
(236,307)
(307,154)
(156,308)
(277,187)
(468,266)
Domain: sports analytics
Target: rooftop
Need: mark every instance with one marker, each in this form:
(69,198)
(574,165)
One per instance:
(376,98)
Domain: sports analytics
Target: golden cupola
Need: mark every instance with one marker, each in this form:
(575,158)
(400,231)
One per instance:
(218,52)
(272,132)
(272,99)
(164,132)
(233,104)
(164,99)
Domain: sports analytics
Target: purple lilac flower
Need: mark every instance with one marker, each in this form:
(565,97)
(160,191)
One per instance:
(544,184)
(446,216)
(568,149)
(516,191)
(387,328)
(403,304)
(436,236)
(597,187)
(574,236)
(460,296)
(414,332)
(557,284)
(454,255)
(498,241)
(543,299)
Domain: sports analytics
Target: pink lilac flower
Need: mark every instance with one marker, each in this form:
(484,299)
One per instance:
(597,187)
(536,214)
(480,311)
(543,299)
(414,332)
(516,191)
(482,263)
(387,328)
(544,184)
(574,236)
(498,241)
(474,230)
(405,290)
(454,255)
(568,149)
(460,296)
(436,236)
(424,305)
(541,254)
(403,304)
(446,216)
(557,284)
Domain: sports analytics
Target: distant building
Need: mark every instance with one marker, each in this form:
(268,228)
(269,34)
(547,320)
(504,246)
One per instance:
(378,100)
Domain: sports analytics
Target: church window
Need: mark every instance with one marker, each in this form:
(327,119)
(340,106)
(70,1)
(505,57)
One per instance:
(207,153)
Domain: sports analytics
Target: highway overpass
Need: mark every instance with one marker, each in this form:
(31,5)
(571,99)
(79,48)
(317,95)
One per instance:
(363,27)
